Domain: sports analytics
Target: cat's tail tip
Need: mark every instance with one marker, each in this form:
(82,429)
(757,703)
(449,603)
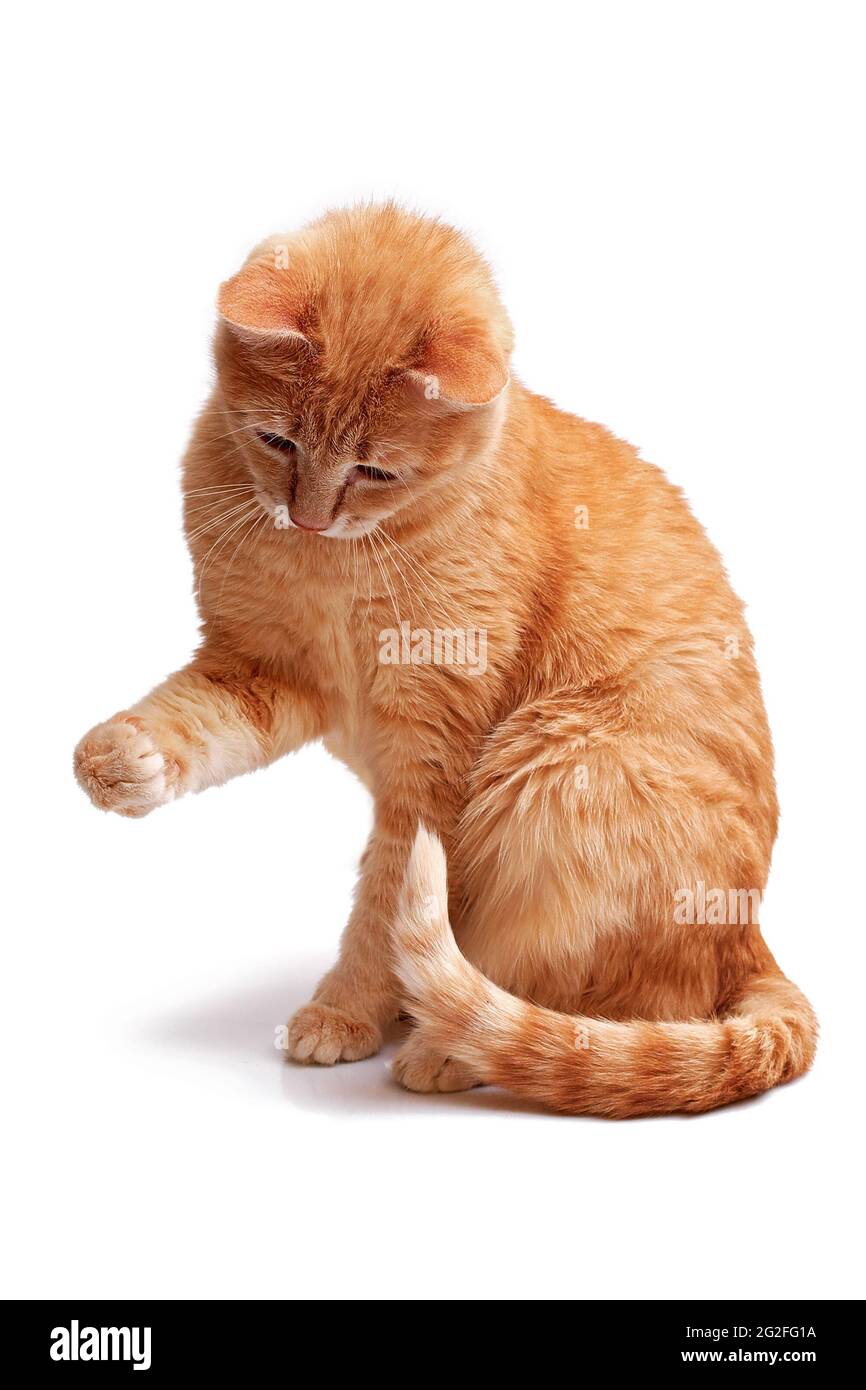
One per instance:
(422,939)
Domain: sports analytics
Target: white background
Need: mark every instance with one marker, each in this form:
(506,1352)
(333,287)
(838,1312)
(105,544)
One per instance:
(671,196)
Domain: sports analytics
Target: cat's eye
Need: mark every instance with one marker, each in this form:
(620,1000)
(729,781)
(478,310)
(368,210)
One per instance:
(277,441)
(373,475)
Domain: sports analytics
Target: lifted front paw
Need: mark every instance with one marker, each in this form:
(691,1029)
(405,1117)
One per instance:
(121,769)
(319,1033)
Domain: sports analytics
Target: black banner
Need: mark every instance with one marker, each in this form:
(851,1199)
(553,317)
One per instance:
(167,1339)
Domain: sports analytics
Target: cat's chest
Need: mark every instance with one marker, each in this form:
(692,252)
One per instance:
(398,676)
(358,650)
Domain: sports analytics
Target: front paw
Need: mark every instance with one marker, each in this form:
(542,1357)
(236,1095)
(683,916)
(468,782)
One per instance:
(121,769)
(320,1033)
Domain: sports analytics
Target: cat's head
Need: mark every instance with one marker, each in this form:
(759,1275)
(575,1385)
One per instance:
(363,363)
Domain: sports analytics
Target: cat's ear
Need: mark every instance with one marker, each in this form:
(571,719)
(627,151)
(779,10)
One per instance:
(460,367)
(263,301)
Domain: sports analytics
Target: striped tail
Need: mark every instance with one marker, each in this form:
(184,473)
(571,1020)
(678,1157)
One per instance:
(582,1065)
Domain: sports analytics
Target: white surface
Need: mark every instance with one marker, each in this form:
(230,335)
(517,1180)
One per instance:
(670,194)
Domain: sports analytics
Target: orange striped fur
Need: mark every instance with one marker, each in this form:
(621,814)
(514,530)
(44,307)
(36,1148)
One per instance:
(583,1064)
(368,466)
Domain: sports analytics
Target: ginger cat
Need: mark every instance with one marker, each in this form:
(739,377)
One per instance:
(515,632)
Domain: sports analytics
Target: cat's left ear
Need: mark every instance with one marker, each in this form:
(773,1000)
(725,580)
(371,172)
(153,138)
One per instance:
(462,368)
(263,300)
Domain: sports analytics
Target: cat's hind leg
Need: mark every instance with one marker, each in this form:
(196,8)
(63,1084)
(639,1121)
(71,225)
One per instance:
(576,981)
(582,827)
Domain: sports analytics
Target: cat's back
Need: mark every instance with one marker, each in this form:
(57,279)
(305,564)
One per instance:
(632,590)
(615,522)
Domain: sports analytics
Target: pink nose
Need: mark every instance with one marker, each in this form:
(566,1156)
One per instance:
(306,526)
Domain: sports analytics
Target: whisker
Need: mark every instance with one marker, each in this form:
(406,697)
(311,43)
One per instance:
(241,429)
(256,521)
(365,553)
(354,573)
(215,520)
(387,583)
(244,444)
(430,584)
(202,504)
(221,487)
(195,499)
(390,555)
(217,546)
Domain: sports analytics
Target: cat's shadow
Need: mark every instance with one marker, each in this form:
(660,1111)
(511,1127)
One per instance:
(243,1030)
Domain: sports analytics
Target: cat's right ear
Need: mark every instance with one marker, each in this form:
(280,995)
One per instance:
(263,302)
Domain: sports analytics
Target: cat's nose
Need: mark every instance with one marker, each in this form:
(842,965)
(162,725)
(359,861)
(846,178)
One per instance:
(308,525)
